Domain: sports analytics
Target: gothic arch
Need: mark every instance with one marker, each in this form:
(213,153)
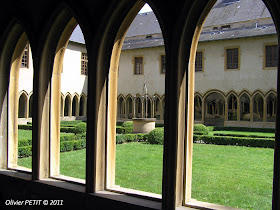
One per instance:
(22,107)
(75,104)
(82,105)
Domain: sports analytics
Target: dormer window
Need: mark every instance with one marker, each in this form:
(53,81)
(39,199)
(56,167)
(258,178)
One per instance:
(225,27)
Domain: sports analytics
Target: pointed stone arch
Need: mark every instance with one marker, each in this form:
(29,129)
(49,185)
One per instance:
(75,105)
(83,105)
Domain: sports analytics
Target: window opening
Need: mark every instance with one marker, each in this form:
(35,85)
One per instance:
(20,108)
(232,58)
(68,107)
(138,65)
(163,64)
(271,56)
(231,110)
(199,61)
(84,64)
(139,110)
(25,57)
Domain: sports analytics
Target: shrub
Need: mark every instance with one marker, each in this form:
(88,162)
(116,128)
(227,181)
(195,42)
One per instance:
(120,139)
(79,144)
(119,129)
(25,151)
(119,123)
(67,137)
(201,128)
(127,130)
(199,132)
(262,130)
(66,146)
(24,143)
(81,136)
(242,135)
(70,123)
(67,129)
(238,141)
(127,124)
(141,137)
(130,137)
(25,127)
(80,128)
(156,136)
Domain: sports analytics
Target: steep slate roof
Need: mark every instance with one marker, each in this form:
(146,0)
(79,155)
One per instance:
(77,36)
(144,24)
(224,12)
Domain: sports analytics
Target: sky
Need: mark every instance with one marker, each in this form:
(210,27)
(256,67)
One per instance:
(145,8)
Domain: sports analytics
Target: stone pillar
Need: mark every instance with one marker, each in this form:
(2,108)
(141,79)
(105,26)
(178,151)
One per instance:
(203,111)
(226,111)
(238,110)
(251,110)
(264,110)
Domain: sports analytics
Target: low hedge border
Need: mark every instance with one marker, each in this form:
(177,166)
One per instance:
(238,141)
(25,151)
(243,135)
(66,146)
(262,130)
(122,138)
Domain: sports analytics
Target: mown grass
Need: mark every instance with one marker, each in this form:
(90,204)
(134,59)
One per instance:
(233,176)
(24,134)
(139,166)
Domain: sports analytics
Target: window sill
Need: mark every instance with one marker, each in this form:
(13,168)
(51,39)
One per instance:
(72,185)
(69,179)
(16,173)
(121,197)
(194,204)
(135,193)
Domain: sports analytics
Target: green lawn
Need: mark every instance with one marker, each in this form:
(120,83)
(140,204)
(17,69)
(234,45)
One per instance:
(234,176)
(139,166)
(24,134)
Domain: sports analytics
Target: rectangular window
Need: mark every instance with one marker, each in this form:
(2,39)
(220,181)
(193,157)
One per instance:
(25,57)
(84,64)
(271,56)
(232,58)
(162,64)
(199,61)
(138,65)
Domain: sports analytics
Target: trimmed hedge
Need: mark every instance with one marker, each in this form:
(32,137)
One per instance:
(131,137)
(262,130)
(242,135)
(68,142)
(70,123)
(199,132)
(69,129)
(67,137)
(25,151)
(238,141)
(80,128)
(25,127)
(24,143)
(127,124)
(156,136)
(200,128)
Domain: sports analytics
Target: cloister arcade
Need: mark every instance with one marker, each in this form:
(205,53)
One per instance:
(217,108)
(73,106)
(135,107)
